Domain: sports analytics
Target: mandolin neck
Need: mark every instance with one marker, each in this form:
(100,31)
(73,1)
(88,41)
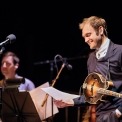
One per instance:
(108,92)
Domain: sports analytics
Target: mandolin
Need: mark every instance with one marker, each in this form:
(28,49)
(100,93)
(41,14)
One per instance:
(95,87)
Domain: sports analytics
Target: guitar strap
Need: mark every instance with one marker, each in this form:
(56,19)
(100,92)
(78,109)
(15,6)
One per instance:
(93,113)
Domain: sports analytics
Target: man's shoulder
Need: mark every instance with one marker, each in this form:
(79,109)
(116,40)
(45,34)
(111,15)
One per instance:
(29,83)
(27,80)
(116,45)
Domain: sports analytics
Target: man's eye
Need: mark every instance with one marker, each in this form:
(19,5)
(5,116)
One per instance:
(88,34)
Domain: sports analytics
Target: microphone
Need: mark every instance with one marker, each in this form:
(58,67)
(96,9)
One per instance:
(9,39)
(69,67)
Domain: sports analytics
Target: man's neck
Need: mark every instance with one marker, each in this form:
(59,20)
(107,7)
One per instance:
(12,76)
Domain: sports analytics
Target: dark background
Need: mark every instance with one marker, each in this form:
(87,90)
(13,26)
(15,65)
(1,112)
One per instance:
(46,28)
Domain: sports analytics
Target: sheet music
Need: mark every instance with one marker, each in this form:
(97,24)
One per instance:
(59,95)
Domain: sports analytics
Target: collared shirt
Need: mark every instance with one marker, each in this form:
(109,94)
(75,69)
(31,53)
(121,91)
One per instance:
(101,52)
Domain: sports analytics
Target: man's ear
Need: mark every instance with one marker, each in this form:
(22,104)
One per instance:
(101,30)
(16,66)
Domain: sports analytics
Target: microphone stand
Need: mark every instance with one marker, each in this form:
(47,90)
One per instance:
(53,83)
(1,50)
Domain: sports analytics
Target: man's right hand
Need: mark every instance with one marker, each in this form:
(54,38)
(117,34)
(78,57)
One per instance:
(62,104)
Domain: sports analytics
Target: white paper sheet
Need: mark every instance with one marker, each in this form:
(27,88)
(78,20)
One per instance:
(59,95)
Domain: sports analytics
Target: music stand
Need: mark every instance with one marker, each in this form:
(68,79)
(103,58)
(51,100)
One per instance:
(14,83)
(18,106)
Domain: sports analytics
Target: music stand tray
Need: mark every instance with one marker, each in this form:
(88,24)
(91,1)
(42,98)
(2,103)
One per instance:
(18,107)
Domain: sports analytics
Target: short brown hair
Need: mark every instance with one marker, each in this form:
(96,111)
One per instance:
(16,60)
(95,22)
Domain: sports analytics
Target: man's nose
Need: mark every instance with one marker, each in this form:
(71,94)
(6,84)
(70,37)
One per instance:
(86,40)
(4,65)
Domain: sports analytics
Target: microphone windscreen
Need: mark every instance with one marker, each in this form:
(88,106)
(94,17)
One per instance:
(11,37)
(69,67)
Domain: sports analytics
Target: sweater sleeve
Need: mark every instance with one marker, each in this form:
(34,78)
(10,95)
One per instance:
(80,101)
(120,108)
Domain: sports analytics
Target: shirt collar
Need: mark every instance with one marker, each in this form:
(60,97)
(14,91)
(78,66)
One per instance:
(101,52)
